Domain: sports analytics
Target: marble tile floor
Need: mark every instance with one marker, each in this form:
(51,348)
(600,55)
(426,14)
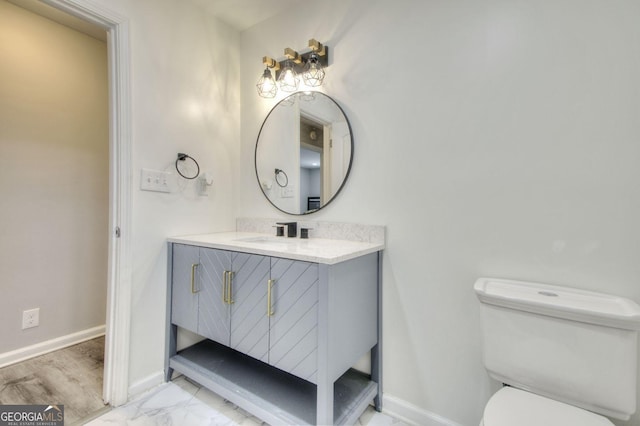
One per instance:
(71,376)
(185,403)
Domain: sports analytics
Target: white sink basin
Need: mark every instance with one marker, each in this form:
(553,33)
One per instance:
(267,240)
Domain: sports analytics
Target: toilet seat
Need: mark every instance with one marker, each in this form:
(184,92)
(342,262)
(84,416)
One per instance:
(510,406)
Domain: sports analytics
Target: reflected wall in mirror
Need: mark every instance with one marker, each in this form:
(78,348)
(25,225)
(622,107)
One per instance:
(303,153)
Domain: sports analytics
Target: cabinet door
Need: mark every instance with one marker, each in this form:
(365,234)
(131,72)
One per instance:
(249,321)
(184,286)
(293,331)
(213,311)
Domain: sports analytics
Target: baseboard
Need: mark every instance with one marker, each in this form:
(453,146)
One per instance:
(146,383)
(412,414)
(22,354)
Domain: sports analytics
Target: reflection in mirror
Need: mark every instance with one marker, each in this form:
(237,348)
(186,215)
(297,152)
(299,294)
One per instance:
(307,139)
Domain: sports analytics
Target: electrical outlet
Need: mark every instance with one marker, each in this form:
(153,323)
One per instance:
(31,318)
(154,180)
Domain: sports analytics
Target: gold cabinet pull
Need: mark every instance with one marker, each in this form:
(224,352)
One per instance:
(227,292)
(194,266)
(270,284)
(230,288)
(224,286)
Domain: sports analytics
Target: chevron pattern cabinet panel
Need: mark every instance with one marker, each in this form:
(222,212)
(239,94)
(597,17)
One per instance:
(249,321)
(293,332)
(214,313)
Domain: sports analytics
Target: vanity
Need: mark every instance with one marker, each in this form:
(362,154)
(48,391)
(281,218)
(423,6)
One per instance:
(284,320)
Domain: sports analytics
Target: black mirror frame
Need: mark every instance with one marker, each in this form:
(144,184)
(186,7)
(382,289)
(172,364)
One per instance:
(346,176)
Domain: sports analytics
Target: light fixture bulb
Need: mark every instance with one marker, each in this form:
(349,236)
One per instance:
(313,74)
(288,80)
(266,85)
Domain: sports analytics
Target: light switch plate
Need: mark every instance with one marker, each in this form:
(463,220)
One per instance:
(287,193)
(155,180)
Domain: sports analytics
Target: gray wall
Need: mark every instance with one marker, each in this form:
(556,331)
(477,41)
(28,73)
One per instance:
(54,178)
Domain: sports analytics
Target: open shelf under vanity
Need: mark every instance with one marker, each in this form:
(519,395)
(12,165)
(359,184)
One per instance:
(272,394)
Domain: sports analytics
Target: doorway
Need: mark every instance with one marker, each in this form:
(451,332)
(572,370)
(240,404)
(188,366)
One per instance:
(119,216)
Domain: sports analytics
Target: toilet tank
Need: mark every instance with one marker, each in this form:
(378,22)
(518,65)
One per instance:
(571,345)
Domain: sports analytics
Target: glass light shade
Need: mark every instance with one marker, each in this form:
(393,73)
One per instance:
(313,74)
(288,80)
(267,87)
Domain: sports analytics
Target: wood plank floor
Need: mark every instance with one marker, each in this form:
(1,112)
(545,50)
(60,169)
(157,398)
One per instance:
(71,376)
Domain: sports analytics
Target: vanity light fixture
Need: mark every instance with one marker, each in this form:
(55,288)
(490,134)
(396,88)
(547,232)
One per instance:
(313,74)
(288,80)
(266,85)
(310,65)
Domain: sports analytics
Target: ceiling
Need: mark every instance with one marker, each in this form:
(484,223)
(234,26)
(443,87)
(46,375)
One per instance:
(62,18)
(242,14)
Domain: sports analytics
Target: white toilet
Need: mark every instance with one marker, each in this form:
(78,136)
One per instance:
(565,354)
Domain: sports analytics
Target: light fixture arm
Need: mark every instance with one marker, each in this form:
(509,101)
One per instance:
(317,47)
(309,64)
(300,59)
(292,55)
(270,63)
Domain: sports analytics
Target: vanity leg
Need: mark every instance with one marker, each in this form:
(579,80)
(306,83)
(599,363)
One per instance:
(376,351)
(170,350)
(324,406)
(171,330)
(324,399)
(376,368)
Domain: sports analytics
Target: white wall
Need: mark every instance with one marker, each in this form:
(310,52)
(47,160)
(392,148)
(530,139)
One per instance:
(185,98)
(54,169)
(278,155)
(493,138)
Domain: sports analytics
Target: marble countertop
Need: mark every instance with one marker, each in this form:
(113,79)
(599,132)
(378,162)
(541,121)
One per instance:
(318,250)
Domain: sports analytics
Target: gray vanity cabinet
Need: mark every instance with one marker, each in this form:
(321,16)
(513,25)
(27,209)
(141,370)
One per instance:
(197,303)
(282,334)
(274,315)
(216,294)
(261,306)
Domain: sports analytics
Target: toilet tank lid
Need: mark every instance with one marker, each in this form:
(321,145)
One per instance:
(561,302)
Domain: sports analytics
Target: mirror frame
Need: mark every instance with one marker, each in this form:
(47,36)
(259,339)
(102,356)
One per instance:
(344,179)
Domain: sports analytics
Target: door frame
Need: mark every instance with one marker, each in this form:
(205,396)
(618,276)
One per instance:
(118,320)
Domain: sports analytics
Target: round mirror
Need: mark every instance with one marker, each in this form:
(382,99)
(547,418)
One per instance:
(304,153)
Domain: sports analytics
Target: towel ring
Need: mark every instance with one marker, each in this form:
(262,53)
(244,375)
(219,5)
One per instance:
(279,172)
(183,157)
